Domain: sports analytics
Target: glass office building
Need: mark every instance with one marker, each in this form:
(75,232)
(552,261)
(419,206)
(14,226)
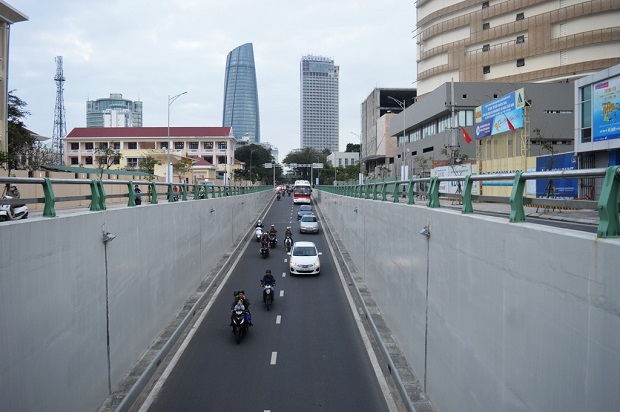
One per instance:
(241,94)
(113,112)
(319,103)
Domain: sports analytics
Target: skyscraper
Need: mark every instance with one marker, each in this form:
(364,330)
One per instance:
(113,112)
(241,94)
(319,103)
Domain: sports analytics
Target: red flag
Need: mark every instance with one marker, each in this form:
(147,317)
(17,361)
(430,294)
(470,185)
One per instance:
(466,135)
(510,126)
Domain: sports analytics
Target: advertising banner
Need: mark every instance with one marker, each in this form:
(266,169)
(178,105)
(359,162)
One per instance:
(606,110)
(456,170)
(503,104)
(562,188)
(499,123)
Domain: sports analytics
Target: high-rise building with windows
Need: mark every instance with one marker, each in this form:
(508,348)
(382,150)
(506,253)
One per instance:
(319,103)
(241,94)
(113,112)
(516,41)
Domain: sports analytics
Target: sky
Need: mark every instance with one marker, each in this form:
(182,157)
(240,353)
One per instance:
(148,50)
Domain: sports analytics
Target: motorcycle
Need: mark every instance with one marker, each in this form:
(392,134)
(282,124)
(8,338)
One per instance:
(13,212)
(264,249)
(258,233)
(267,295)
(288,243)
(239,325)
(273,241)
(278,196)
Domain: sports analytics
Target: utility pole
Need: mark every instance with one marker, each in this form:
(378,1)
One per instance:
(60,124)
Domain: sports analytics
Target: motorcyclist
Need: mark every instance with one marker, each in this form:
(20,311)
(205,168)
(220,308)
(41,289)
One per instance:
(259,223)
(12,191)
(245,302)
(272,230)
(264,242)
(288,233)
(137,192)
(268,279)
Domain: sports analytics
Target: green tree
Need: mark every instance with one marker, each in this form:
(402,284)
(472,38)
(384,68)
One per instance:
(181,167)
(255,156)
(147,165)
(106,156)
(353,147)
(20,141)
(304,156)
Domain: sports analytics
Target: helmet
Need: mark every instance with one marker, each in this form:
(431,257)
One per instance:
(268,272)
(288,227)
(258,221)
(273,225)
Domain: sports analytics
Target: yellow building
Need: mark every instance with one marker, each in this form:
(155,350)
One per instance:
(209,150)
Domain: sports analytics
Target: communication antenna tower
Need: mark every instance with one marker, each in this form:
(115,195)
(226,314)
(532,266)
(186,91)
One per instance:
(60,125)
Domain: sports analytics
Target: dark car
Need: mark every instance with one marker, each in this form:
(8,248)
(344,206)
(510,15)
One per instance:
(304,210)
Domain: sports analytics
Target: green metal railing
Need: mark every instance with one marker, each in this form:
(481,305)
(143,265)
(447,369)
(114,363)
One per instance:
(98,197)
(607,205)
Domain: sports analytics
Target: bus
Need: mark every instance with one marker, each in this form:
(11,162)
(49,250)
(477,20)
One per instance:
(302,191)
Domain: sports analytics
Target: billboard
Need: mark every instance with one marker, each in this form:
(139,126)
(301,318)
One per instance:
(499,123)
(492,118)
(563,188)
(606,110)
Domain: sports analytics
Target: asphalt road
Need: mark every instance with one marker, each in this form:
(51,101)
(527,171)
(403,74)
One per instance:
(306,354)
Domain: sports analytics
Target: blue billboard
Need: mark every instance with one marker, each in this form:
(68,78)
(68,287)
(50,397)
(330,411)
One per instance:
(562,188)
(606,110)
(499,123)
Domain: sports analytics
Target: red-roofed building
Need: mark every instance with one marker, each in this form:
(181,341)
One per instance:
(211,149)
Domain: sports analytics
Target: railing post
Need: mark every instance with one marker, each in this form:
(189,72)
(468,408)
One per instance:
(467,205)
(396,192)
(517,214)
(410,192)
(384,192)
(609,225)
(375,189)
(184,192)
(94,196)
(170,193)
(433,193)
(50,199)
(132,194)
(196,192)
(153,188)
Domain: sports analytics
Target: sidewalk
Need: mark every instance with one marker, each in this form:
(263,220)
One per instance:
(583,216)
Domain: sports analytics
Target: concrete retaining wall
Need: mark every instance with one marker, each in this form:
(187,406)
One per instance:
(492,315)
(54,274)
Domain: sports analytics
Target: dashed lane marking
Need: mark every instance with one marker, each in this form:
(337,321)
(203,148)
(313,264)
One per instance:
(278,319)
(274,357)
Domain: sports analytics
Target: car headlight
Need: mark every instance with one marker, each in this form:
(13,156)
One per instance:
(317,263)
(293,263)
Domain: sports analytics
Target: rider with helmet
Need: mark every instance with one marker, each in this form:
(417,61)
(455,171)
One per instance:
(288,233)
(259,223)
(268,279)
(272,230)
(241,300)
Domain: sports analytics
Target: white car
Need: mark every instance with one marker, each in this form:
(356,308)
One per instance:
(304,259)
(309,224)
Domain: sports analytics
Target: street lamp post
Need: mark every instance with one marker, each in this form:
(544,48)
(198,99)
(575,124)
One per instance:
(168,171)
(404,169)
(251,152)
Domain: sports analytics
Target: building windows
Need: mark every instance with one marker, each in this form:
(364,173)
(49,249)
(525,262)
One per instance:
(485,4)
(132,163)
(88,146)
(520,16)
(208,159)
(193,145)
(179,145)
(163,145)
(88,160)
(486,26)
(103,146)
(466,117)
(208,145)
(74,160)
(520,39)
(221,145)
(117,145)
(486,69)
(75,146)
(132,145)
(221,160)
(585,97)
(520,62)
(486,47)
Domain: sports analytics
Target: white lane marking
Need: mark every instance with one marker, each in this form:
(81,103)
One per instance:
(283,274)
(274,356)
(278,319)
(281,293)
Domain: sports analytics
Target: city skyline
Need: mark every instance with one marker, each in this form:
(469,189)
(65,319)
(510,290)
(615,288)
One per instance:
(148,61)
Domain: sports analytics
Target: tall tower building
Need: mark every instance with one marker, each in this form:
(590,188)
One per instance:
(241,94)
(113,112)
(319,103)
(514,41)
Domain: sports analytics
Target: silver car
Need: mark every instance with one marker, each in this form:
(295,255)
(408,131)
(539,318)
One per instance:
(309,224)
